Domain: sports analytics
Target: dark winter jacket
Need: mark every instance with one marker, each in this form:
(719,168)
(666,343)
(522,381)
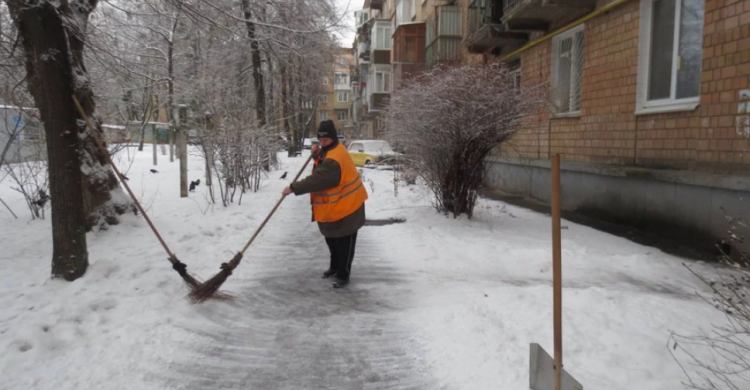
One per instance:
(326,176)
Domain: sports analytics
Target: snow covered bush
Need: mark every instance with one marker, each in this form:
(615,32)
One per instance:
(719,359)
(449,119)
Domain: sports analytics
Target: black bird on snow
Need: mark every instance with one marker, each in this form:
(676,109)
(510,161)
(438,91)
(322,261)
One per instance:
(154,171)
(283,176)
(194,184)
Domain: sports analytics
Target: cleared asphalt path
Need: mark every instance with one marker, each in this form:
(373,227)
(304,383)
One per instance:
(288,329)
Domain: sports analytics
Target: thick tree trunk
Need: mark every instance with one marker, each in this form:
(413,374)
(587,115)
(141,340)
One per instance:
(99,181)
(51,80)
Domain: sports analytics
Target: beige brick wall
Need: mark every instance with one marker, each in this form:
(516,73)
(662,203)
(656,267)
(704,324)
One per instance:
(608,131)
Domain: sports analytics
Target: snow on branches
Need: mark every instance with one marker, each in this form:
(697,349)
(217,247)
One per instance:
(449,119)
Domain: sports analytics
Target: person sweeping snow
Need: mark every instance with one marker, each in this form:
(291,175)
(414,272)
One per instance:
(338,200)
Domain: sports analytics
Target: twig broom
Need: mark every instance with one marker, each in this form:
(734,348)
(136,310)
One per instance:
(210,288)
(181,268)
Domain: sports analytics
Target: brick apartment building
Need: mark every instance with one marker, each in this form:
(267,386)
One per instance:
(649,99)
(336,102)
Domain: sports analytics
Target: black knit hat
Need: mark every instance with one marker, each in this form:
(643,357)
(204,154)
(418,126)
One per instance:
(327,130)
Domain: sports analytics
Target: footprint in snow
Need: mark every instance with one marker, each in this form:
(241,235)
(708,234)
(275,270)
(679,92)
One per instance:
(186,237)
(24,345)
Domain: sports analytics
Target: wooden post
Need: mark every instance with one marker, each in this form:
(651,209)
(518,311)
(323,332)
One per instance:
(557,269)
(154,140)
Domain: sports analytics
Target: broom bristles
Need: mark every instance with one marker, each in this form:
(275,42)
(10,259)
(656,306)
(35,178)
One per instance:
(210,288)
(191,281)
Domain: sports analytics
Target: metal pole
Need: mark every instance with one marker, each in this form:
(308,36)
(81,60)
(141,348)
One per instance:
(557,269)
(154,140)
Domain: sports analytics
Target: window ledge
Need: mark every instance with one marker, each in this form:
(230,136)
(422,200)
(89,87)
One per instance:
(567,115)
(667,108)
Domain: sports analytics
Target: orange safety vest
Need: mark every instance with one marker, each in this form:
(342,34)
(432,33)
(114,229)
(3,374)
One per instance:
(336,203)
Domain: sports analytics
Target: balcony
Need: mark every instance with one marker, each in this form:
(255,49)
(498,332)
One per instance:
(377,4)
(443,36)
(363,52)
(538,15)
(380,48)
(409,43)
(378,88)
(485,31)
(361,18)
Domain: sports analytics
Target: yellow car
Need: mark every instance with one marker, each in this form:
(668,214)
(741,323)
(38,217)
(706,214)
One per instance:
(370,152)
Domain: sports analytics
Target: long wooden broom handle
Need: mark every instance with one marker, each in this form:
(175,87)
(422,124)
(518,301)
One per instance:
(274,208)
(104,150)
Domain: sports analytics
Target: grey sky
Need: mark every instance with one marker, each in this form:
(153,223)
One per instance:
(346,34)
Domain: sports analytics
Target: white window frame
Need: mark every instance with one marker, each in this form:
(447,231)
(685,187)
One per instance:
(346,97)
(643,106)
(387,36)
(323,115)
(376,87)
(340,76)
(338,115)
(324,99)
(403,13)
(555,63)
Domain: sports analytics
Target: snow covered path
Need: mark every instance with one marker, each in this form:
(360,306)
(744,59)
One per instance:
(434,303)
(289,329)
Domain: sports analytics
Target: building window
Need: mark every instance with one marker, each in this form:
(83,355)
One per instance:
(322,115)
(324,99)
(514,67)
(670,54)
(567,71)
(402,12)
(343,97)
(342,115)
(342,61)
(413,9)
(341,78)
(382,82)
(382,37)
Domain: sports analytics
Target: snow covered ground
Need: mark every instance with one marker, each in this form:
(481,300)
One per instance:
(435,303)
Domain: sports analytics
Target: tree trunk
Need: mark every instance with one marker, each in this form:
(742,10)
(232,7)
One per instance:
(50,65)
(285,109)
(260,92)
(175,125)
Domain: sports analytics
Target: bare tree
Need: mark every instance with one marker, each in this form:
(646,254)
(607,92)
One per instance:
(49,43)
(450,119)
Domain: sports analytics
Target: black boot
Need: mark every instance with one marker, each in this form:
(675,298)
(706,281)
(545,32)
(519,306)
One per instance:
(340,283)
(328,273)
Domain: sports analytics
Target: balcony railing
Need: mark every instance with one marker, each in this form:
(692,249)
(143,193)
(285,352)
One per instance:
(443,36)
(538,15)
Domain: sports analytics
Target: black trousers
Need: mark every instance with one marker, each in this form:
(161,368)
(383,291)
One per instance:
(342,254)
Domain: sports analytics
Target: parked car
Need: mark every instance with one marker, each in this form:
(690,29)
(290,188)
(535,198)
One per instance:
(371,152)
